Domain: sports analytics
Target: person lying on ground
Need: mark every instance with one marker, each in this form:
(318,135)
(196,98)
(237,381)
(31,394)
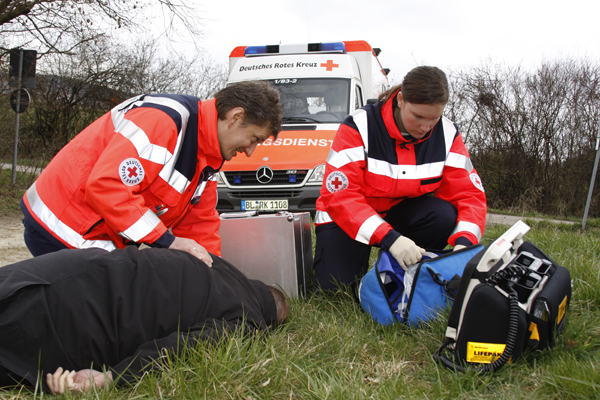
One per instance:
(89,318)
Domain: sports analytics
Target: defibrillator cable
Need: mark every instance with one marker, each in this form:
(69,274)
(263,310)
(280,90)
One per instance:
(504,276)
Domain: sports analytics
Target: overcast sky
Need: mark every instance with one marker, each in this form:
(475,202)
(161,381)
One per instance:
(451,34)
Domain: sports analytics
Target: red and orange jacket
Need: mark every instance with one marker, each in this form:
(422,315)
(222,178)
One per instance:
(142,168)
(371,167)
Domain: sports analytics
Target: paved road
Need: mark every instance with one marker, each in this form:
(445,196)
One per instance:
(23,168)
(512,219)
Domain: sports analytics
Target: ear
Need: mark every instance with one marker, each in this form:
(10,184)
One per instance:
(400,98)
(235,115)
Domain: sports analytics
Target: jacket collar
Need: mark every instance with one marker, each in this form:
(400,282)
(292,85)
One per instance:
(208,138)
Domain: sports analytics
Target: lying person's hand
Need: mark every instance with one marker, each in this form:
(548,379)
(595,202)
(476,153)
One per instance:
(458,247)
(190,246)
(80,381)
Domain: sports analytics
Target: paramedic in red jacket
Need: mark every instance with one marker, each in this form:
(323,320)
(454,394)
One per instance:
(398,176)
(145,172)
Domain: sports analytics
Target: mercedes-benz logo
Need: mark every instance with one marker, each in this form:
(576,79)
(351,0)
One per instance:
(264,174)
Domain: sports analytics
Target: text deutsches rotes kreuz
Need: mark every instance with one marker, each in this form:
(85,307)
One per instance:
(298,64)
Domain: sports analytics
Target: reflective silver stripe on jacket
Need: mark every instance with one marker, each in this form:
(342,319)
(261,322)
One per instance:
(322,217)
(146,149)
(142,227)
(59,228)
(464,226)
(399,171)
(360,120)
(368,228)
(339,159)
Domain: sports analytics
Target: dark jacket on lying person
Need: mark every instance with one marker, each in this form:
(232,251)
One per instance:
(79,309)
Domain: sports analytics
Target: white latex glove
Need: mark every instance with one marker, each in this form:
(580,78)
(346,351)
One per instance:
(406,252)
(458,247)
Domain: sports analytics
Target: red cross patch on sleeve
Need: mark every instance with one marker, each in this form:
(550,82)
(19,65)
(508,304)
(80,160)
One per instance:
(131,172)
(477,181)
(336,181)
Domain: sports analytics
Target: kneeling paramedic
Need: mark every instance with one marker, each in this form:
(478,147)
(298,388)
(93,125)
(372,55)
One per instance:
(398,176)
(145,172)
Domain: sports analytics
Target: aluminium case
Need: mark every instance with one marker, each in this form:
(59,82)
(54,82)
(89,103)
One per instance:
(273,248)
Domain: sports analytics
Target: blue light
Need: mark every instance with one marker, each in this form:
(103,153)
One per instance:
(237,179)
(255,50)
(333,46)
(336,47)
(292,178)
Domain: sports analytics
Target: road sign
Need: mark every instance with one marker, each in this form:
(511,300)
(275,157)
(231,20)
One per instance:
(26,60)
(23,103)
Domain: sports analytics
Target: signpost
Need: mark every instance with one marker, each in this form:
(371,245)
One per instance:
(21,76)
(591,189)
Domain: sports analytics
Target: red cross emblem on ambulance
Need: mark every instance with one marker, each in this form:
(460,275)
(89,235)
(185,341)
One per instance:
(329,65)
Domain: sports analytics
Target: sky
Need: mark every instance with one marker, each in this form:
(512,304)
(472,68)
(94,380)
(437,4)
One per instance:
(451,34)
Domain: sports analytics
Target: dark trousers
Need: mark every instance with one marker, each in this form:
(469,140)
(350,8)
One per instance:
(40,243)
(339,259)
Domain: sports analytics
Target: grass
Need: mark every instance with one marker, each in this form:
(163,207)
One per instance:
(10,194)
(330,349)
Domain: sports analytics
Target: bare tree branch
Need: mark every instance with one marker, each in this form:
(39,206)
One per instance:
(59,26)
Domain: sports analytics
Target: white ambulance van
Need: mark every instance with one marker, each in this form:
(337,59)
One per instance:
(319,85)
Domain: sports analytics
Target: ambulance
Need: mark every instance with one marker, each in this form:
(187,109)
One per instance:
(319,85)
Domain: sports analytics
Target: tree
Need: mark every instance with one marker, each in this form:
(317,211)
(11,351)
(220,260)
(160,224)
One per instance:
(74,90)
(531,133)
(59,26)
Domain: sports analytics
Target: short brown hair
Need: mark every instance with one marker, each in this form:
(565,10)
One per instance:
(422,85)
(283,307)
(259,100)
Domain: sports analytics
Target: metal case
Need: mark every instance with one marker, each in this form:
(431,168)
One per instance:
(273,248)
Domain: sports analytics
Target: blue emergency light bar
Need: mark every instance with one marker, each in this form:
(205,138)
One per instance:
(333,47)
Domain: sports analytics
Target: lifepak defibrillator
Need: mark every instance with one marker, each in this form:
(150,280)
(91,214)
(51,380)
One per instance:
(511,297)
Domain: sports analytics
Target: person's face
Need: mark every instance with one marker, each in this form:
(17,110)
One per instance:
(236,137)
(418,119)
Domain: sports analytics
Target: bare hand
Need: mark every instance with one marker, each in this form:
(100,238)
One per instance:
(79,381)
(190,246)
(458,247)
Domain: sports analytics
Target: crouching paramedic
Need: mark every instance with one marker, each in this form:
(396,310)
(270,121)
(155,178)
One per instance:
(398,176)
(146,166)
(60,321)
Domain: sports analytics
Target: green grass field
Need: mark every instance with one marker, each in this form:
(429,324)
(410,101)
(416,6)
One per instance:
(330,349)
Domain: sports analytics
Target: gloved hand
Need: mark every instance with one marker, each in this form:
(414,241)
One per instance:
(458,247)
(406,252)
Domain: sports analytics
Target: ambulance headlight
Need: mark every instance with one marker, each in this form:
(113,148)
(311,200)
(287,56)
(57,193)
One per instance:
(217,176)
(317,174)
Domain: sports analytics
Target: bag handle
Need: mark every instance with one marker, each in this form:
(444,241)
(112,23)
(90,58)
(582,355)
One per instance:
(504,275)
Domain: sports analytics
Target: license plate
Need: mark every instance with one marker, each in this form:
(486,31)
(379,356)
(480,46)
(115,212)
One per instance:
(265,205)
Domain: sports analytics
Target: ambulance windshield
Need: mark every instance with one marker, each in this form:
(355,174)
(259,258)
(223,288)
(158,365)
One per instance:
(313,100)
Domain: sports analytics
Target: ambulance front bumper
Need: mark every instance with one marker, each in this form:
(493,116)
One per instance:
(298,199)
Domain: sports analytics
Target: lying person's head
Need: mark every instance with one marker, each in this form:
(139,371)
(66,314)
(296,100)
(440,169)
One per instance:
(283,307)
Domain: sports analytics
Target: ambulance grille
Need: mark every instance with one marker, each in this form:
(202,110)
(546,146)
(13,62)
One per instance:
(280,178)
(278,194)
